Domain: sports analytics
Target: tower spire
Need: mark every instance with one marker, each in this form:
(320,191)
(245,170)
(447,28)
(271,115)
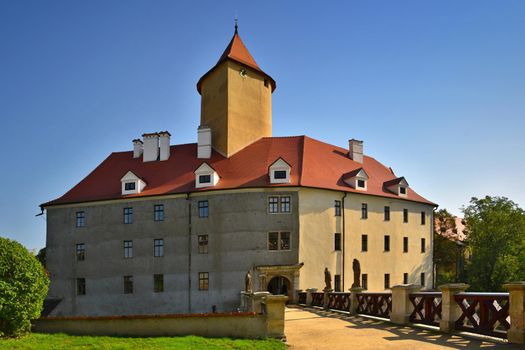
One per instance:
(236,24)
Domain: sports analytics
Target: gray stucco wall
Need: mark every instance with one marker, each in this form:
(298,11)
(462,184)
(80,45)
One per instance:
(237,228)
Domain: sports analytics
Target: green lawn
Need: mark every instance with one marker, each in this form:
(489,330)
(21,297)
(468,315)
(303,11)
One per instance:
(63,341)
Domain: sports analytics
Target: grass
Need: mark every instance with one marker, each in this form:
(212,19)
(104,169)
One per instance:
(64,341)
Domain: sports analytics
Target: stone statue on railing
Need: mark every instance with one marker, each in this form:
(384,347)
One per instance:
(356,266)
(327,279)
(248,282)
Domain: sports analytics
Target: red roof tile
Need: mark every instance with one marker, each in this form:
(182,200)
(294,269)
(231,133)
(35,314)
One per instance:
(314,164)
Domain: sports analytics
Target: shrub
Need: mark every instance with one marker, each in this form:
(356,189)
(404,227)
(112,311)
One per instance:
(23,287)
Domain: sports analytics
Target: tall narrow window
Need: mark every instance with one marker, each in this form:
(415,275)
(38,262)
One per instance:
(422,279)
(285,241)
(337,283)
(128,249)
(364,211)
(387,243)
(405,215)
(337,207)
(158,212)
(273,204)
(405,278)
(80,219)
(158,247)
(203,209)
(387,280)
(204,280)
(423,218)
(337,241)
(279,204)
(279,241)
(203,244)
(81,286)
(423,245)
(158,283)
(387,213)
(128,284)
(285,204)
(364,243)
(405,244)
(81,251)
(273,240)
(364,281)
(128,215)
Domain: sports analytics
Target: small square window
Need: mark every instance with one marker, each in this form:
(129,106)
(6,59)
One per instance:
(364,281)
(128,249)
(361,183)
(81,286)
(387,243)
(204,179)
(337,241)
(81,251)
(337,206)
(80,219)
(128,215)
(279,174)
(405,215)
(204,280)
(158,212)
(387,280)
(364,211)
(402,190)
(203,209)
(158,247)
(387,213)
(129,186)
(405,244)
(203,244)
(128,284)
(405,278)
(364,243)
(158,283)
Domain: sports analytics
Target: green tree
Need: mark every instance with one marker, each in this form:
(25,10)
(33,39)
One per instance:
(496,238)
(23,287)
(445,250)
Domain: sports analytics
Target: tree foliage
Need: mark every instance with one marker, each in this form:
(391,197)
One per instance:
(23,287)
(496,239)
(445,250)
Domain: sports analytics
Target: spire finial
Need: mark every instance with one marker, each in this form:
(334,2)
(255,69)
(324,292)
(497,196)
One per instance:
(236,25)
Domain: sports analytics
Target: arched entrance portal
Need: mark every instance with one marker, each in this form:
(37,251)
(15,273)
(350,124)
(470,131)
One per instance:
(279,285)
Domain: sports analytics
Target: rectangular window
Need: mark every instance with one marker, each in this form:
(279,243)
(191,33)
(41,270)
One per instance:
(158,212)
(364,243)
(364,281)
(128,249)
(405,278)
(279,241)
(81,286)
(80,219)
(273,240)
(158,247)
(387,243)
(337,207)
(81,251)
(387,213)
(279,174)
(203,244)
(285,204)
(285,241)
(204,179)
(364,211)
(128,284)
(387,280)
(423,245)
(422,279)
(203,209)
(204,280)
(158,283)
(361,183)
(423,218)
(337,283)
(128,215)
(129,186)
(337,241)
(405,215)
(402,190)
(273,204)
(405,244)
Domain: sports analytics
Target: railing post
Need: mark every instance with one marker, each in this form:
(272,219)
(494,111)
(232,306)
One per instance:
(401,305)
(516,333)
(353,299)
(326,297)
(275,315)
(309,292)
(450,310)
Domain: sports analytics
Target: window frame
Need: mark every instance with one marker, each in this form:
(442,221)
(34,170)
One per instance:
(386,213)
(423,218)
(158,247)
(128,215)
(283,174)
(128,284)
(337,242)
(202,244)
(386,281)
(337,207)
(423,245)
(364,211)
(80,219)
(130,186)
(204,281)
(158,283)
(405,215)
(205,179)
(405,278)
(386,243)
(364,281)
(364,243)
(80,251)
(204,209)
(422,279)
(337,283)
(405,244)
(81,286)
(128,248)
(279,204)
(158,212)
(279,242)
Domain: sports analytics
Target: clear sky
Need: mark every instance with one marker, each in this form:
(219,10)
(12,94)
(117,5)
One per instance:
(436,89)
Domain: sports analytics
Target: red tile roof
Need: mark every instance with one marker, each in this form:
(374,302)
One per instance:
(314,164)
(237,51)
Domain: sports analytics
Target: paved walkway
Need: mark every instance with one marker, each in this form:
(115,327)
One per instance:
(317,329)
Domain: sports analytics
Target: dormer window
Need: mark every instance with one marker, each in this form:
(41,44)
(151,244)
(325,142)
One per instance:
(279,172)
(205,176)
(402,190)
(132,184)
(397,186)
(357,179)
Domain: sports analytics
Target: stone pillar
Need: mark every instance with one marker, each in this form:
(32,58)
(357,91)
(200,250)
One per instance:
(450,310)
(401,305)
(516,333)
(257,299)
(309,292)
(353,299)
(275,315)
(326,295)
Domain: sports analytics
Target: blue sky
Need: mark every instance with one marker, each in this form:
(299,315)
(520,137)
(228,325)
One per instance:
(436,89)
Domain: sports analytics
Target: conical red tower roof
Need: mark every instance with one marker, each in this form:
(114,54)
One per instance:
(237,51)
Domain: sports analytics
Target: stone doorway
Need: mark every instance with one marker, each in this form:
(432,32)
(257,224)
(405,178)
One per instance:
(279,278)
(279,285)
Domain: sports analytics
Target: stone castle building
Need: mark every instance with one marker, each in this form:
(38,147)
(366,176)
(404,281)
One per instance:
(174,228)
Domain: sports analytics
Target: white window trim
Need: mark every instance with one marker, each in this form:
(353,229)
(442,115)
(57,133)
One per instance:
(353,181)
(205,169)
(279,196)
(279,165)
(131,177)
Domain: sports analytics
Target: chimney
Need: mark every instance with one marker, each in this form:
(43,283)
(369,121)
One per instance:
(203,142)
(151,147)
(137,148)
(355,148)
(164,145)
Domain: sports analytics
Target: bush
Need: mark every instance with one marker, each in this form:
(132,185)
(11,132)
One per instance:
(23,287)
